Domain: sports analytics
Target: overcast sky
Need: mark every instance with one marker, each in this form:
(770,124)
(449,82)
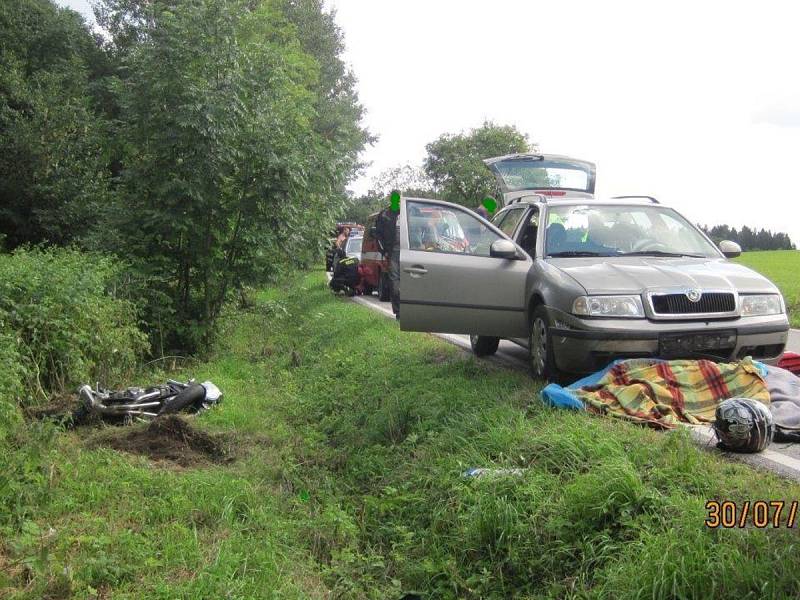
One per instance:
(696,103)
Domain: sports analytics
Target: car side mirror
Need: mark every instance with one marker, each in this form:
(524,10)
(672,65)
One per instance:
(503,249)
(730,249)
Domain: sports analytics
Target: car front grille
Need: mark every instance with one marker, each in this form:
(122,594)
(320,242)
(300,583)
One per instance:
(679,304)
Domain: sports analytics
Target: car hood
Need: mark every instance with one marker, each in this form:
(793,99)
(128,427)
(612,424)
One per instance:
(621,275)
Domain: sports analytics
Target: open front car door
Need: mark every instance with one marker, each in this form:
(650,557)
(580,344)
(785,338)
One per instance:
(459,273)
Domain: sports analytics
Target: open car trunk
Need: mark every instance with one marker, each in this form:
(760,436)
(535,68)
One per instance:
(548,174)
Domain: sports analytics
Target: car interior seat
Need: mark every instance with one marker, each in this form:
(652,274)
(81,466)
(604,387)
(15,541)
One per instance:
(420,233)
(556,238)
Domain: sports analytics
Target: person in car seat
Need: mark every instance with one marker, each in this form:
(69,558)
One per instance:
(597,231)
(556,238)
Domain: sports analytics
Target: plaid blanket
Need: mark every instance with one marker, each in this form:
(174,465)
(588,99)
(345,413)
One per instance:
(662,394)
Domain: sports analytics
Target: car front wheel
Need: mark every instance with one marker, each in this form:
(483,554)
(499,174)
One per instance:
(542,358)
(484,345)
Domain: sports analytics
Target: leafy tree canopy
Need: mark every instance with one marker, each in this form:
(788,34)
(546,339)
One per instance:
(243,128)
(454,162)
(208,142)
(52,144)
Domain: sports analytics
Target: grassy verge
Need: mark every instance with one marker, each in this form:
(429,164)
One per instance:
(780,266)
(349,438)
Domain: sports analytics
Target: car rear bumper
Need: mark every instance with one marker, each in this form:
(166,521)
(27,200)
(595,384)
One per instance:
(584,346)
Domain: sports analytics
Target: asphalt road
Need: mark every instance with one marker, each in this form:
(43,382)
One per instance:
(794,341)
(782,459)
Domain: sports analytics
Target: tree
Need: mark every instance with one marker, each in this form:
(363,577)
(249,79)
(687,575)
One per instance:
(238,147)
(455,161)
(749,239)
(406,179)
(361,207)
(53,161)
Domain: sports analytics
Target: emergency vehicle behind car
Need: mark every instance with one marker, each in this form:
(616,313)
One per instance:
(375,265)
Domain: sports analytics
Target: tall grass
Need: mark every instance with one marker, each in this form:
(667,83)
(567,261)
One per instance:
(781,266)
(352,439)
(67,325)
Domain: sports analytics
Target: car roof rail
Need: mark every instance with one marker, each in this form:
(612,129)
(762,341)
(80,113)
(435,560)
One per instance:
(653,200)
(541,198)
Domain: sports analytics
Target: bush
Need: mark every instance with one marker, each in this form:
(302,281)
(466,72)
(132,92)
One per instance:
(11,376)
(62,323)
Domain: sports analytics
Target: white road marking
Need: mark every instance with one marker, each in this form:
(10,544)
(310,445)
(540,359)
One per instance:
(362,300)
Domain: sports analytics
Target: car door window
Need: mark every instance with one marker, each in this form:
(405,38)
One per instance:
(510,222)
(529,233)
(498,218)
(435,228)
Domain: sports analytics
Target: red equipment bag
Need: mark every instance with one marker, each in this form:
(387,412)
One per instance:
(790,361)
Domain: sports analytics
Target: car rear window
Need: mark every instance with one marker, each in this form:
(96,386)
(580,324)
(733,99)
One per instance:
(531,174)
(354,244)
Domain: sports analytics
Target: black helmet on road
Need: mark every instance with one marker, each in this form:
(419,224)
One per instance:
(743,425)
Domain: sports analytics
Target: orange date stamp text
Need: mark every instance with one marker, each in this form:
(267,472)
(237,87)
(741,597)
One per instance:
(760,514)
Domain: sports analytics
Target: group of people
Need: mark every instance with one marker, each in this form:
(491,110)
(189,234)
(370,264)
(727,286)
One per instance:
(389,242)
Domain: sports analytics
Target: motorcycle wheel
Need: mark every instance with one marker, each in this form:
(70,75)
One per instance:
(194,394)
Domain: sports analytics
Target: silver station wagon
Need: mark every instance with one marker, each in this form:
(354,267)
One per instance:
(579,280)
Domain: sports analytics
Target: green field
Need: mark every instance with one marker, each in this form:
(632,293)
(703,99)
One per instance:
(337,473)
(783,268)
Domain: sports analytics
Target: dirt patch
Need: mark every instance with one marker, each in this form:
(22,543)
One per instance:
(173,439)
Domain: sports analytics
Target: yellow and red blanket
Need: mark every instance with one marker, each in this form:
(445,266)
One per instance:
(664,394)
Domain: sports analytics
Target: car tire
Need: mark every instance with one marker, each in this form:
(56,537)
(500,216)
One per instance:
(484,345)
(541,355)
(384,288)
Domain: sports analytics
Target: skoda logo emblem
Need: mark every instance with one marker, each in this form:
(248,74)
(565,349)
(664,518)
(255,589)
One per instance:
(694,295)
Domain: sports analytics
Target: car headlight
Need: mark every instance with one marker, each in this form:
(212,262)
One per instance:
(608,306)
(756,305)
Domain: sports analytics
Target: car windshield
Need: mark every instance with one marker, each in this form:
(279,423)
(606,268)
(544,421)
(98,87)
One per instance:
(354,245)
(622,230)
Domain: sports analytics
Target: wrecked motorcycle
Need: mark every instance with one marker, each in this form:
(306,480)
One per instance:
(143,404)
